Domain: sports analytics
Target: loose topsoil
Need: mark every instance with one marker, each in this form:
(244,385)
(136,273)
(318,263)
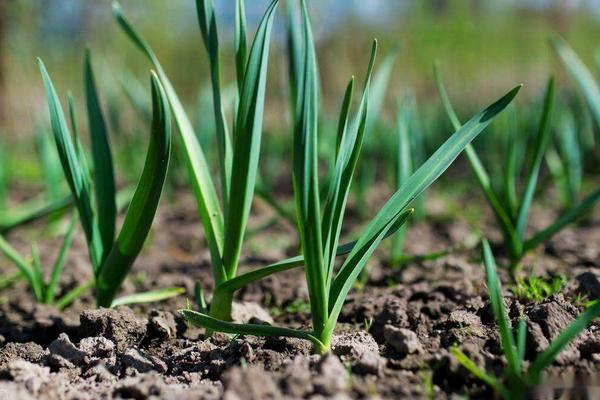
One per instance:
(392,342)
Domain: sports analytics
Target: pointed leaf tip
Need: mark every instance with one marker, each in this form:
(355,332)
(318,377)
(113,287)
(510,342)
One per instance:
(116,8)
(500,105)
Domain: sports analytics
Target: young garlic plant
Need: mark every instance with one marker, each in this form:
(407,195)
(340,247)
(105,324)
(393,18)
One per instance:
(319,233)
(94,191)
(518,379)
(224,220)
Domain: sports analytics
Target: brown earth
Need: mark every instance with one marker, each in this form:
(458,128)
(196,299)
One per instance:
(392,342)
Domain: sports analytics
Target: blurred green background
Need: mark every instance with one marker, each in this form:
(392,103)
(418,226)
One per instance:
(483,46)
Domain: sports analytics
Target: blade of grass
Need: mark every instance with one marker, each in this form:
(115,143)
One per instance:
(72,169)
(210,36)
(579,73)
(539,148)
(339,185)
(305,178)
(104,179)
(571,152)
(200,175)
(60,260)
(476,164)
(480,374)
(424,177)
(26,269)
(294,56)
(71,295)
(37,271)
(31,211)
(240,43)
(404,168)
(144,203)
(247,140)
(205,321)
(7,281)
(199,297)
(344,114)
(51,168)
(150,296)
(511,168)
(501,317)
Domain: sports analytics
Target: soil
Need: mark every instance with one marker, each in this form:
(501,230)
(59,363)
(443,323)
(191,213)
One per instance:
(392,341)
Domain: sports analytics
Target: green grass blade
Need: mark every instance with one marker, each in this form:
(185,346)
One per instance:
(32,211)
(200,174)
(539,148)
(425,176)
(247,140)
(558,172)
(38,276)
(478,168)
(511,168)
(557,345)
(7,281)
(378,90)
(204,321)
(26,269)
(150,296)
(339,184)
(294,55)
(144,203)
(51,168)
(497,302)
(404,168)
(473,368)
(60,260)
(104,177)
(344,114)
(569,217)
(581,76)
(136,94)
(72,294)
(571,152)
(79,149)
(305,178)
(240,43)
(72,168)
(210,36)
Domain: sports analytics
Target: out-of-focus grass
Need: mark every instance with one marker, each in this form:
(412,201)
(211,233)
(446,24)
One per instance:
(482,45)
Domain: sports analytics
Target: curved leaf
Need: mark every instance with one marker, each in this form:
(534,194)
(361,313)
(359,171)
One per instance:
(104,179)
(144,203)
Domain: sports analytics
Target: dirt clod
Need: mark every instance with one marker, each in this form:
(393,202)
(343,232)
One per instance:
(332,377)
(404,341)
(119,325)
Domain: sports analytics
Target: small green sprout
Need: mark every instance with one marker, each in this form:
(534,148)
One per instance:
(45,292)
(535,289)
(517,380)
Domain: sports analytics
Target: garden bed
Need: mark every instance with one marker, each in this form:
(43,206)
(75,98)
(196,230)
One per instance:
(393,339)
